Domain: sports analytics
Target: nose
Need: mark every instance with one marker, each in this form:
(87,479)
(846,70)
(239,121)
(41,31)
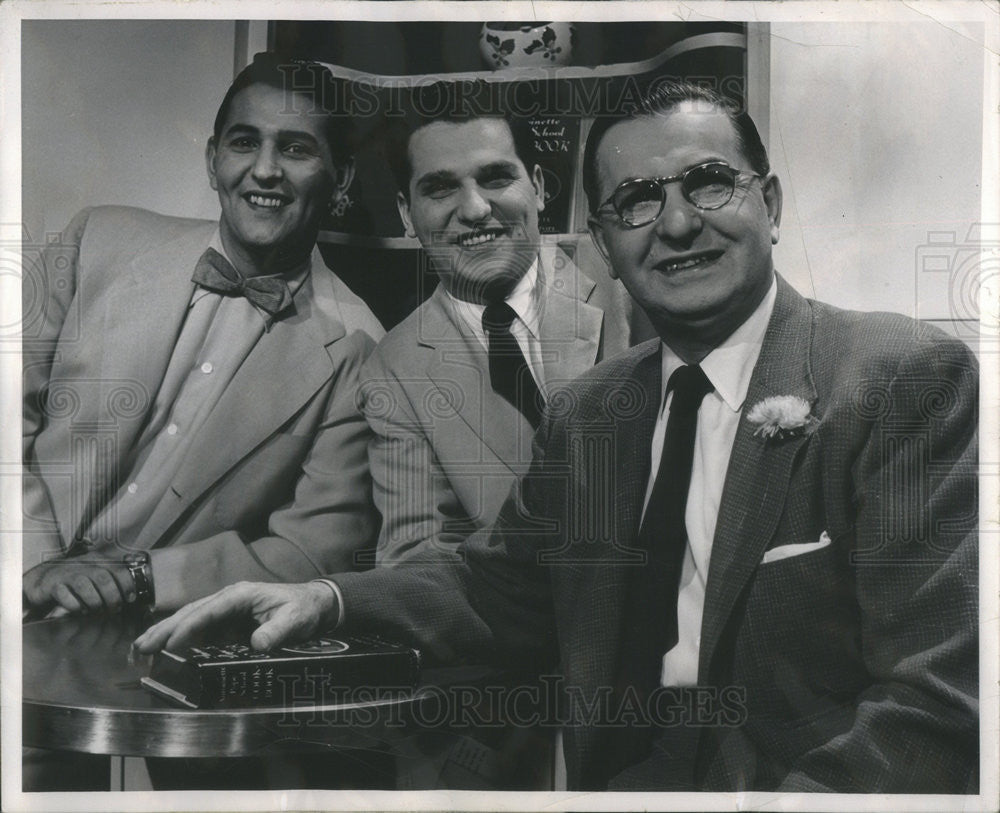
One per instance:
(266,167)
(680,221)
(473,207)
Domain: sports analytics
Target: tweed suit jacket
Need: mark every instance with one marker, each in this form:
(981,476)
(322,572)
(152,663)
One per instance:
(276,486)
(852,667)
(446,448)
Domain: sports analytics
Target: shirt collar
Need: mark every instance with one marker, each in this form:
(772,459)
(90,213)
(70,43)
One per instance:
(730,365)
(523,300)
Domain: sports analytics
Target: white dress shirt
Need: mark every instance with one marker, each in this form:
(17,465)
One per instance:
(729,367)
(524,300)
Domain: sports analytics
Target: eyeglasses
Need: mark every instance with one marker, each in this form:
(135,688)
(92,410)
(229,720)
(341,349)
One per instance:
(638,202)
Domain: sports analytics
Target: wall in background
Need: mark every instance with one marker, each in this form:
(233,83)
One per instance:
(119,112)
(876,134)
(874,129)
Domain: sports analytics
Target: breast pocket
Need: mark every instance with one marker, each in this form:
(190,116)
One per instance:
(795,549)
(797,649)
(798,588)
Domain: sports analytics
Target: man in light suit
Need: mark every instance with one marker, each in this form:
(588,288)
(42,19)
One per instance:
(448,444)
(190,387)
(821,633)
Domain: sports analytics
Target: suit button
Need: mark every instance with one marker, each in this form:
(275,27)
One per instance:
(172,429)
(132,488)
(207,367)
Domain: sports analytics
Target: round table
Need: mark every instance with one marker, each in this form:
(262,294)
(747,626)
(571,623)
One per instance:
(82,693)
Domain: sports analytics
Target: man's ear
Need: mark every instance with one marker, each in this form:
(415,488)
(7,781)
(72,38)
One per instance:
(538,182)
(597,235)
(403,207)
(210,163)
(771,187)
(344,178)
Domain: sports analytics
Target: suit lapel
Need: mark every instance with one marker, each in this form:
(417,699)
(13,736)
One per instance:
(570,328)
(569,333)
(759,471)
(601,582)
(459,369)
(141,326)
(292,360)
(592,593)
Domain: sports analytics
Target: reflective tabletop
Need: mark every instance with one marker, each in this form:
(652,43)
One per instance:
(82,693)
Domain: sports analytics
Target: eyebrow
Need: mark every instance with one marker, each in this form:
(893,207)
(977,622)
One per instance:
(702,161)
(495,166)
(447,176)
(283,135)
(438,176)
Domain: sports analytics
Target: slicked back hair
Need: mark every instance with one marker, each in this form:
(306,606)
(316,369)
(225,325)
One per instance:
(661,100)
(451,103)
(291,75)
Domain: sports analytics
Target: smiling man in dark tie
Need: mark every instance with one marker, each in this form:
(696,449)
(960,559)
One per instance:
(211,373)
(750,546)
(454,392)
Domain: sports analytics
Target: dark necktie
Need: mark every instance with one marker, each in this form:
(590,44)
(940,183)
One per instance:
(649,628)
(510,375)
(216,273)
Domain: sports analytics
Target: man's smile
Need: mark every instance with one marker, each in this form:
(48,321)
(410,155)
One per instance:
(687,261)
(266,200)
(479,237)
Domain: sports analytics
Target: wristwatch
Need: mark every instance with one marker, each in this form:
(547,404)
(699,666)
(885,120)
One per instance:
(141,571)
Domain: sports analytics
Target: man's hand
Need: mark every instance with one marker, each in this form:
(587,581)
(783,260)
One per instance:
(79,585)
(283,611)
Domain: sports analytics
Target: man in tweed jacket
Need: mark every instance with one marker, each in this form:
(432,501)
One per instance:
(828,634)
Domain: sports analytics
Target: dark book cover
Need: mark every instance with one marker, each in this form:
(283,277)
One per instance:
(323,671)
(555,142)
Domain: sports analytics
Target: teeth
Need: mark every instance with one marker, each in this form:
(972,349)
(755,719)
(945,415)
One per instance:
(685,264)
(478,239)
(260,200)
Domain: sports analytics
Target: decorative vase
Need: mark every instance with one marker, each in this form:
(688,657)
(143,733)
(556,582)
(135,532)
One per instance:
(526,45)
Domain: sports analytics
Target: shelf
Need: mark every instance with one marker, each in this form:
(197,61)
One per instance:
(363,242)
(562,101)
(721,39)
(367,240)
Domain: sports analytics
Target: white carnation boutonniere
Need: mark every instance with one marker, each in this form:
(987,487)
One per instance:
(782,416)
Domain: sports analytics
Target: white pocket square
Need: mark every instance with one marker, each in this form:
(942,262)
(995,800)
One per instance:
(788,551)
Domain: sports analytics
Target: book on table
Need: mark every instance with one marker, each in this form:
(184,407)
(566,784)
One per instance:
(324,671)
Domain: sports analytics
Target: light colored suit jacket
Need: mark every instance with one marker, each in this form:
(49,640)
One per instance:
(276,486)
(446,447)
(852,667)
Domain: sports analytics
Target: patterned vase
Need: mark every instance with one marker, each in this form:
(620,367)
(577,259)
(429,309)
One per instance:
(526,45)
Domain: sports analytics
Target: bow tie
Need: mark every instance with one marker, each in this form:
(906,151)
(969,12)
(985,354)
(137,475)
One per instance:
(216,273)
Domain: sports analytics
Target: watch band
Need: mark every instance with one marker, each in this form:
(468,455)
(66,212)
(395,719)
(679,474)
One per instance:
(142,577)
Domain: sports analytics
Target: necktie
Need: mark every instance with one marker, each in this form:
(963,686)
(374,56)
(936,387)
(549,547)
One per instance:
(216,273)
(510,375)
(663,534)
(650,619)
